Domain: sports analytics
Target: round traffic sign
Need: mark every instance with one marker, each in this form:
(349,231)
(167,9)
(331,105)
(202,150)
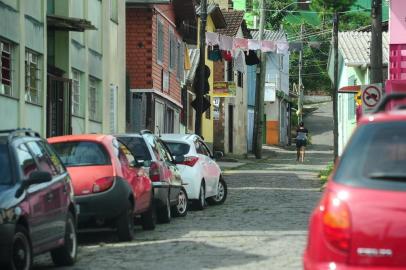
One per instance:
(371,96)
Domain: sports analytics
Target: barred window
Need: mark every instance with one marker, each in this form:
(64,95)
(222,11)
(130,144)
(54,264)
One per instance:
(94,100)
(6,69)
(76,92)
(32,77)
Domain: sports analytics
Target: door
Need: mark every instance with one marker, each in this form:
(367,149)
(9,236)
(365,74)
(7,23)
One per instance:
(212,169)
(59,111)
(230,128)
(250,128)
(203,154)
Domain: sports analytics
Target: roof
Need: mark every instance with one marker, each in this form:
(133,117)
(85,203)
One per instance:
(216,14)
(234,20)
(355,47)
(270,35)
(194,55)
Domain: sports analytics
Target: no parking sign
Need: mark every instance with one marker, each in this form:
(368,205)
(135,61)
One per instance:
(371,95)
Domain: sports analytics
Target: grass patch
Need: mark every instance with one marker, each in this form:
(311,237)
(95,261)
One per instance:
(326,172)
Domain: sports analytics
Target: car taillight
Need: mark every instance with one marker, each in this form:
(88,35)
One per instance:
(336,221)
(154,174)
(190,161)
(103,184)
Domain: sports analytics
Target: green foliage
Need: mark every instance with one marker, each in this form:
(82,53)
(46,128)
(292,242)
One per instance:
(324,174)
(332,5)
(276,10)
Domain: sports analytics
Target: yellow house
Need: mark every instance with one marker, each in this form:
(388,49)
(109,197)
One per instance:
(215,20)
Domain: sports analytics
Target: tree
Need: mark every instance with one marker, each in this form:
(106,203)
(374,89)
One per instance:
(332,5)
(276,12)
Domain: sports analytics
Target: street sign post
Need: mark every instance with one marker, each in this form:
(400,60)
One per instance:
(371,95)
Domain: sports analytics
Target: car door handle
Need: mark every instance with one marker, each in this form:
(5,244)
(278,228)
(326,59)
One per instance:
(50,197)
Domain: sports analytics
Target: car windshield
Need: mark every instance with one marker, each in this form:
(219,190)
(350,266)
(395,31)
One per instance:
(5,173)
(138,147)
(375,157)
(82,153)
(178,149)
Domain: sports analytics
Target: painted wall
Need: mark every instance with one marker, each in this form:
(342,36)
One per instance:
(397,23)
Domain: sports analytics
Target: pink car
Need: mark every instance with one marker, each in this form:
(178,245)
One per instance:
(360,222)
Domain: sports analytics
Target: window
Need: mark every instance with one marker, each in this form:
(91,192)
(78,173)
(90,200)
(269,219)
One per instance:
(81,153)
(32,77)
(124,155)
(44,161)
(93,100)
(201,149)
(173,49)
(181,68)
(169,120)
(76,92)
(178,149)
(229,72)
(160,42)
(240,79)
(25,161)
(5,173)
(114,11)
(6,69)
(138,147)
(165,154)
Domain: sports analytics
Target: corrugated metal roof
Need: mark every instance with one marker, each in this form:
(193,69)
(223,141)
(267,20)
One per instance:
(279,35)
(355,47)
(194,55)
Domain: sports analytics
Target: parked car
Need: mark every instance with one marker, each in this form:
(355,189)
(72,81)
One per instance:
(361,219)
(199,169)
(37,208)
(152,152)
(110,187)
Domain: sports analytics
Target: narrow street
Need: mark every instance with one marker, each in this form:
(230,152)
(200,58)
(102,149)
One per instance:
(262,225)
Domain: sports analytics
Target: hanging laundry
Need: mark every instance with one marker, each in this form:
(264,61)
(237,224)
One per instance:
(268,46)
(282,47)
(214,53)
(254,44)
(227,56)
(212,39)
(239,62)
(240,43)
(251,58)
(226,43)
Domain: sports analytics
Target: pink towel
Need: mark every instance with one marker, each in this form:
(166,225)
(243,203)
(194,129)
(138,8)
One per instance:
(282,47)
(268,46)
(240,43)
(226,43)
(212,39)
(254,44)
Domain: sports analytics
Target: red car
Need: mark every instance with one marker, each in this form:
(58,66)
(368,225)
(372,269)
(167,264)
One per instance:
(360,222)
(110,188)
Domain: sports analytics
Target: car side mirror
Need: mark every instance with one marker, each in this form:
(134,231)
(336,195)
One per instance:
(179,159)
(37,177)
(218,155)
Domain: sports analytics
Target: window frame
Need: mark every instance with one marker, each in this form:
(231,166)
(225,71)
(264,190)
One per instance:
(29,89)
(160,41)
(76,93)
(172,50)
(93,109)
(8,69)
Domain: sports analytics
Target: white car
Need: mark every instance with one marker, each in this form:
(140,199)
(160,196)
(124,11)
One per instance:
(199,169)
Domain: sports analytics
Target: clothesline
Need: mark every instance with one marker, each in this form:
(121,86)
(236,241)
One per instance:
(227,43)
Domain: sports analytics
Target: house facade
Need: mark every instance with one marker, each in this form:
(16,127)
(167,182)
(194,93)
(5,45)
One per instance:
(57,72)
(354,69)
(155,64)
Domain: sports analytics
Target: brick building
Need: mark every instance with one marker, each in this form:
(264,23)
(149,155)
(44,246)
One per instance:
(156,44)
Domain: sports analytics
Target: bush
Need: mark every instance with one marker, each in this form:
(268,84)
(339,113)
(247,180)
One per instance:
(324,174)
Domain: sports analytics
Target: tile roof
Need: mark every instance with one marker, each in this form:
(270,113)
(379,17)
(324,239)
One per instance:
(215,12)
(279,35)
(355,47)
(234,20)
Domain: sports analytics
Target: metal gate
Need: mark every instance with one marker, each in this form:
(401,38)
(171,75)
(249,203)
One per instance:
(59,112)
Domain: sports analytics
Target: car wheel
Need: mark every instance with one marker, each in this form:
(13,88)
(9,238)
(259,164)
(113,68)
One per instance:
(21,257)
(125,224)
(200,203)
(148,219)
(221,196)
(164,213)
(66,255)
(181,208)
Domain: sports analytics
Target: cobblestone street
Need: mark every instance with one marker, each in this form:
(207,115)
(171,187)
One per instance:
(262,225)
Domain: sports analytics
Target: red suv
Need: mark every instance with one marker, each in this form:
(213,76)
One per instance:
(110,187)
(37,209)
(361,219)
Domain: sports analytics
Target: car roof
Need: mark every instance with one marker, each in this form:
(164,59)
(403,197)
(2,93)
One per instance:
(178,137)
(385,116)
(129,135)
(81,137)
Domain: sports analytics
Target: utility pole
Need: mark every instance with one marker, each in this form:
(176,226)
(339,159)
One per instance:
(199,90)
(260,89)
(300,90)
(335,86)
(376,42)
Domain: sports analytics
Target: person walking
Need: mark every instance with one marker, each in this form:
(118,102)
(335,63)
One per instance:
(301,141)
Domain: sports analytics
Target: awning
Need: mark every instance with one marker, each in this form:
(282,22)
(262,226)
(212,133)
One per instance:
(350,89)
(62,23)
